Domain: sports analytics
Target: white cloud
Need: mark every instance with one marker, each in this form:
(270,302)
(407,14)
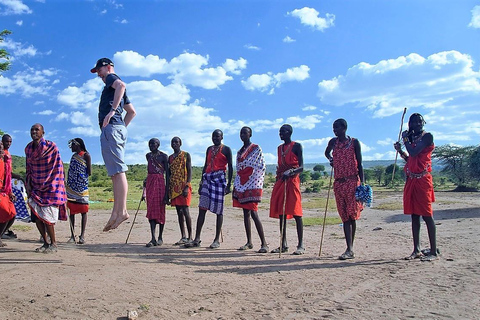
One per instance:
(475,22)
(309,17)
(287,39)
(187,68)
(45,112)
(62,116)
(441,80)
(27,83)
(386,142)
(11,7)
(121,21)
(81,97)
(18,49)
(235,66)
(251,47)
(90,132)
(268,81)
(309,108)
(19,23)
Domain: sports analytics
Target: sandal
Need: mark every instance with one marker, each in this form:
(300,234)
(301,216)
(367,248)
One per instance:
(42,248)
(414,255)
(263,249)
(277,250)
(192,244)
(347,255)
(181,241)
(299,251)
(215,245)
(429,258)
(152,243)
(159,242)
(81,240)
(246,246)
(72,239)
(426,252)
(51,249)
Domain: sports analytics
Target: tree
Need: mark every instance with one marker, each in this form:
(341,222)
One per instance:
(304,176)
(378,173)
(474,164)
(389,171)
(315,175)
(319,168)
(455,161)
(4,55)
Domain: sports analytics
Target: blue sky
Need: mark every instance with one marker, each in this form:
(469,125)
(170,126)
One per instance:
(195,66)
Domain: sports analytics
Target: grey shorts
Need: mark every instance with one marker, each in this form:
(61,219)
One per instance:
(112,142)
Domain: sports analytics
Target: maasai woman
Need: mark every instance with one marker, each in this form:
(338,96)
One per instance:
(248,187)
(348,172)
(180,189)
(156,191)
(7,209)
(77,185)
(418,193)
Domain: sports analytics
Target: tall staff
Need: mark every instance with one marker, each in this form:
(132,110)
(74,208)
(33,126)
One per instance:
(325,215)
(399,136)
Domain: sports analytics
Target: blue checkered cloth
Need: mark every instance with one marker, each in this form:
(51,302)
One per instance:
(364,193)
(20,203)
(212,191)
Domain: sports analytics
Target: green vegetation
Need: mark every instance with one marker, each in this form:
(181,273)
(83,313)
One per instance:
(4,55)
(318,221)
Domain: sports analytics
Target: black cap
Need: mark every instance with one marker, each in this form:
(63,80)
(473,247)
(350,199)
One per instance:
(100,63)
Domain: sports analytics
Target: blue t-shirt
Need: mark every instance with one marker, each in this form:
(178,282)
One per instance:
(106,101)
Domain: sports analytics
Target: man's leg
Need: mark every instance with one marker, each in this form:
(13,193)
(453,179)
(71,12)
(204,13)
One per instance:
(431,234)
(200,222)
(218,229)
(119,212)
(299,223)
(416,233)
(259,227)
(248,226)
(181,221)
(84,224)
(72,222)
(51,233)
(188,221)
(3,228)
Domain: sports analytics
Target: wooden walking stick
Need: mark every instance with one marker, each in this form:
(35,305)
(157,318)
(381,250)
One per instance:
(128,236)
(284,218)
(325,215)
(399,135)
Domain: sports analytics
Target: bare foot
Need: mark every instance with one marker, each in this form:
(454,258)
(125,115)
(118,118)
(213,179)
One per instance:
(120,220)
(110,223)
(2,244)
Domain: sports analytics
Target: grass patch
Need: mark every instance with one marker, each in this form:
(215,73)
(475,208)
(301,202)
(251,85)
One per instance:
(19,227)
(389,206)
(316,221)
(319,203)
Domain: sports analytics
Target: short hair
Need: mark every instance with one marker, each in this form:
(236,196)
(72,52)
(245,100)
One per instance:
(218,130)
(341,122)
(289,127)
(6,135)
(178,140)
(249,130)
(154,139)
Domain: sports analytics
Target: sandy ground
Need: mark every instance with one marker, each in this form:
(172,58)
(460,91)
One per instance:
(105,277)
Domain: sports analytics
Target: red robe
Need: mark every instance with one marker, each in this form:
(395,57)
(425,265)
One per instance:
(418,193)
(292,205)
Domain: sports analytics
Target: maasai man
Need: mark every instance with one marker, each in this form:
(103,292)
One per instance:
(418,193)
(180,189)
(348,172)
(45,186)
(248,187)
(7,209)
(213,187)
(286,201)
(113,138)
(156,190)
(77,185)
